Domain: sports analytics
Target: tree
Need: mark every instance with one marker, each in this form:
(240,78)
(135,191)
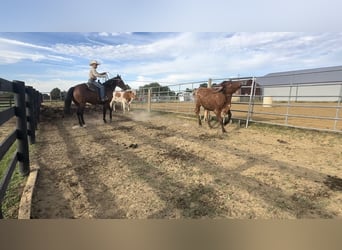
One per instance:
(154,85)
(63,95)
(55,94)
(46,97)
(157,89)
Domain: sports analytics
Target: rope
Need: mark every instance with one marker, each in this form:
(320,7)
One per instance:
(109,75)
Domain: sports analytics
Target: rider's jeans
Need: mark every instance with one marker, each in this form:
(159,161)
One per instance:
(100,86)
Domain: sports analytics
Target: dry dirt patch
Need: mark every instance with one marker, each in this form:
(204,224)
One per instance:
(145,165)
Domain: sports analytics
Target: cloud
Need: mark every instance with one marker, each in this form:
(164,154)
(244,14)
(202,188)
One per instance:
(13,51)
(46,85)
(171,57)
(9,42)
(162,48)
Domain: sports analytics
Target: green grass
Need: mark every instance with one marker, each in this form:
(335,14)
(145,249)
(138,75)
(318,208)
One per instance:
(11,201)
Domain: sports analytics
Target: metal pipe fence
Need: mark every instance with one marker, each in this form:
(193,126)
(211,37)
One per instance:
(309,105)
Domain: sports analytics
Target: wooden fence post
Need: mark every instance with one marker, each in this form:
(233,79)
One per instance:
(210,82)
(20,112)
(30,110)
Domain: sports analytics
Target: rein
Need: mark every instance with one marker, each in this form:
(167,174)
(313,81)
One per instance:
(109,75)
(110,83)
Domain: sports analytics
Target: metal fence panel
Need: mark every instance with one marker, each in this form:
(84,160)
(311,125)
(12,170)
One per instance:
(310,105)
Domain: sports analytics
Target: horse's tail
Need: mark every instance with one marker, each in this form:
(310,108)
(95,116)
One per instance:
(67,101)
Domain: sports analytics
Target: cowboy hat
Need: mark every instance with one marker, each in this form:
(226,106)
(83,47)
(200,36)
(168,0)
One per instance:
(94,62)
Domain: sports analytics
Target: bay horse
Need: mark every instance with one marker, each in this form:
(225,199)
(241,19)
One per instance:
(81,94)
(217,100)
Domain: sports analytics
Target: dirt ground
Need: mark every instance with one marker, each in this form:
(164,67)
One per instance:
(149,165)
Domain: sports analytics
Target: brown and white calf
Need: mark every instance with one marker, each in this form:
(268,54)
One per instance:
(123,97)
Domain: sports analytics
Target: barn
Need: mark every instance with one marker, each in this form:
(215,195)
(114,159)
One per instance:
(318,84)
(246,89)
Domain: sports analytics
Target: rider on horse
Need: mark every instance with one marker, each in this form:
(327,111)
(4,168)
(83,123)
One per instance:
(93,75)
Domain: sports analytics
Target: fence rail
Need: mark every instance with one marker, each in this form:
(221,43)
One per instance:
(309,105)
(6,101)
(26,112)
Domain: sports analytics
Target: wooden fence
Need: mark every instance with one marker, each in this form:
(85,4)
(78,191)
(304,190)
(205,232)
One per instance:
(6,101)
(26,108)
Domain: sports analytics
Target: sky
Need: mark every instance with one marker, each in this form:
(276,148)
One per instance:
(49,44)
(46,60)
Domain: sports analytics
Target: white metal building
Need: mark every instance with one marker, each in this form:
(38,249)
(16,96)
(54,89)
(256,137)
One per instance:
(319,84)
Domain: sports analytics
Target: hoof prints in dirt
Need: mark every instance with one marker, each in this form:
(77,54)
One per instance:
(123,128)
(156,127)
(177,154)
(133,145)
(207,137)
(200,201)
(162,135)
(333,182)
(158,168)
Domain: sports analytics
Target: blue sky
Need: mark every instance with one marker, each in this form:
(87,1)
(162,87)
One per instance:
(167,15)
(49,44)
(46,60)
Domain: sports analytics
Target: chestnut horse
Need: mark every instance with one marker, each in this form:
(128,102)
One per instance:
(217,100)
(81,94)
(206,115)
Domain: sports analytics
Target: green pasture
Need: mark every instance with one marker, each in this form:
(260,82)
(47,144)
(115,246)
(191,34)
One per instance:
(11,201)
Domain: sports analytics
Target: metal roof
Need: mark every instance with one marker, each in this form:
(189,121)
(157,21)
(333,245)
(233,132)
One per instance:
(317,75)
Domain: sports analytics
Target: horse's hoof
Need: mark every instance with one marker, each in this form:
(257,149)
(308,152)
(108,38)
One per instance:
(76,127)
(84,126)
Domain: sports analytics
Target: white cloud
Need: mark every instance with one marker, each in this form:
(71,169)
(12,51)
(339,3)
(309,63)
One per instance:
(10,42)
(104,34)
(13,51)
(45,86)
(168,47)
(140,81)
(176,57)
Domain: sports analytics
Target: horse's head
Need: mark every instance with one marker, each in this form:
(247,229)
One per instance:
(116,82)
(229,87)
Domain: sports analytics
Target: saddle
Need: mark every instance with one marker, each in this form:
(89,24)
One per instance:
(92,86)
(217,89)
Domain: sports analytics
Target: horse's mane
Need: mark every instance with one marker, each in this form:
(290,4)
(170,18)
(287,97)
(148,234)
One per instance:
(115,82)
(220,87)
(110,81)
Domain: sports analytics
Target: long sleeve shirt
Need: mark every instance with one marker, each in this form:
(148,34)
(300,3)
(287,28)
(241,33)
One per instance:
(93,74)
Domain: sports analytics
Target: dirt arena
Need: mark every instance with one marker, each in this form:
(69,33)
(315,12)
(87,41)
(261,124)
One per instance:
(149,165)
